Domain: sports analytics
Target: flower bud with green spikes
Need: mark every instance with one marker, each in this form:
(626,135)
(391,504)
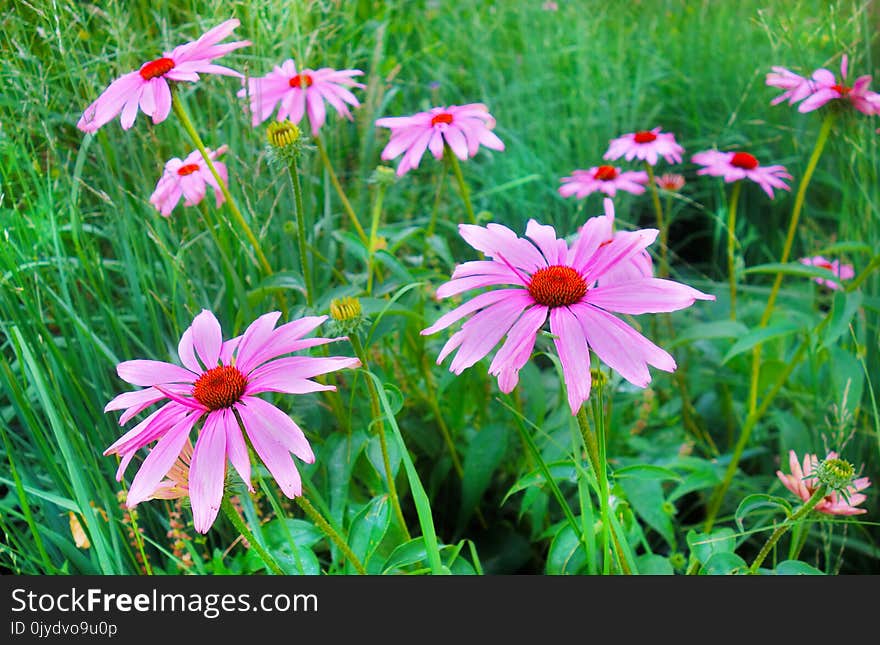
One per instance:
(836,473)
(285,140)
(346,316)
(383,175)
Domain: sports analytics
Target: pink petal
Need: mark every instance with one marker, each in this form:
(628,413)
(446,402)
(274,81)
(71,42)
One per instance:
(207,472)
(236,448)
(571,345)
(254,340)
(478,302)
(145,372)
(159,462)
(648,295)
(207,338)
(545,237)
(517,349)
(485,329)
(257,413)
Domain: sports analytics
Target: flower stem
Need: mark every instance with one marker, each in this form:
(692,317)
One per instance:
(246,533)
(180,111)
(346,205)
(438,192)
(459,178)
(808,506)
(731,245)
(302,242)
(662,224)
(328,530)
(374,227)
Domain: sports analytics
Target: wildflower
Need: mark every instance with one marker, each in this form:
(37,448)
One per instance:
(825,88)
(803,482)
(301,92)
(796,87)
(647,145)
(219,382)
(670,181)
(842,271)
(148,87)
(568,285)
(464,128)
(189,178)
(733,166)
(605,179)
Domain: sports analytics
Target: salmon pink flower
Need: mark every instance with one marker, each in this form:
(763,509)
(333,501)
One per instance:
(219,383)
(827,88)
(670,181)
(803,482)
(188,178)
(546,278)
(464,128)
(842,271)
(733,166)
(148,87)
(647,145)
(301,92)
(796,87)
(605,179)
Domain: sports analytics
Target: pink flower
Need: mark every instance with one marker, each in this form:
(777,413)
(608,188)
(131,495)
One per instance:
(803,483)
(605,179)
(301,92)
(647,145)
(670,181)
(188,178)
(569,285)
(464,128)
(842,271)
(796,87)
(827,88)
(148,87)
(734,166)
(219,382)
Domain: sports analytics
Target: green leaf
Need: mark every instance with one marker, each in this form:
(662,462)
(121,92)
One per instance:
(374,454)
(845,247)
(795,268)
(367,530)
(705,545)
(758,336)
(724,564)
(758,501)
(651,564)
(844,307)
(559,470)
(704,331)
(484,454)
(796,568)
(647,471)
(566,555)
(647,500)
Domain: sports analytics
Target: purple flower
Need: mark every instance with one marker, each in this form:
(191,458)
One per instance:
(733,166)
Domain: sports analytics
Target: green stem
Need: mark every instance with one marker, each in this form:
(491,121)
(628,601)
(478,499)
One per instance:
(328,530)
(662,225)
(856,282)
(808,506)
(246,533)
(459,178)
(431,397)
(374,228)
(346,205)
(180,111)
(441,181)
(302,242)
(731,245)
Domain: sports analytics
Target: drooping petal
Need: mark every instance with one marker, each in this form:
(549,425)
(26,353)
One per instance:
(207,472)
(517,349)
(485,329)
(571,345)
(478,302)
(236,448)
(159,461)
(274,423)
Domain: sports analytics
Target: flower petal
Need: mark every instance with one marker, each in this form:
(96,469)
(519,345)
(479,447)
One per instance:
(207,472)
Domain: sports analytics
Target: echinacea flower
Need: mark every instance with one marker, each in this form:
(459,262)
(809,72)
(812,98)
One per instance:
(670,181)
(647,145)
(548,279)
(148,87)
(189,178)
(796,87)
(825,88)
(803,483)
(464,128)
(733,166)
(604,179)
(842,271)
(219,382)
(300,92)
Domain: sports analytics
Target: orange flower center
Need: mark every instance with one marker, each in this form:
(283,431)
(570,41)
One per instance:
(301,80)
(443,117)
(843,90)
(644,137)
(605,173)
(156,68)
(557,286)
(188,169)
(220,387)
(744,160)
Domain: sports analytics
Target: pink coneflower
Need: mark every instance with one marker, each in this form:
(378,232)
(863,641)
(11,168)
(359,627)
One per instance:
(301,92)
(796,87)
(670,181)
(827,88)
(188,178)
(842,271)
(605,179)
(733,166)
(647,145)
(463,127)
(803,483)
(219,382)
(148,87)
(550,279)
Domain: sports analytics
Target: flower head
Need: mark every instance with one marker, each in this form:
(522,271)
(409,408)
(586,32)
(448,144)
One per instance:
(300,92)
(571,285)
(147,89)
(604,179)
(803,482)
(796,87)
(647,145)
(670,181)
(825,88)
(733,166)
(842,271)
(219,383)
(464,128)
(189,178)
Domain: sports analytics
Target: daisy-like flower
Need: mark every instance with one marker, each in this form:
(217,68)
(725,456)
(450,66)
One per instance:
(842,271)
(148,87)
(219,382)
(796,87)
(803,482)
(670,181)
(604,179)
(300,92)
(825,88)
(647,145)
(188,178)
(545,279)
(733,166)
(463,127)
